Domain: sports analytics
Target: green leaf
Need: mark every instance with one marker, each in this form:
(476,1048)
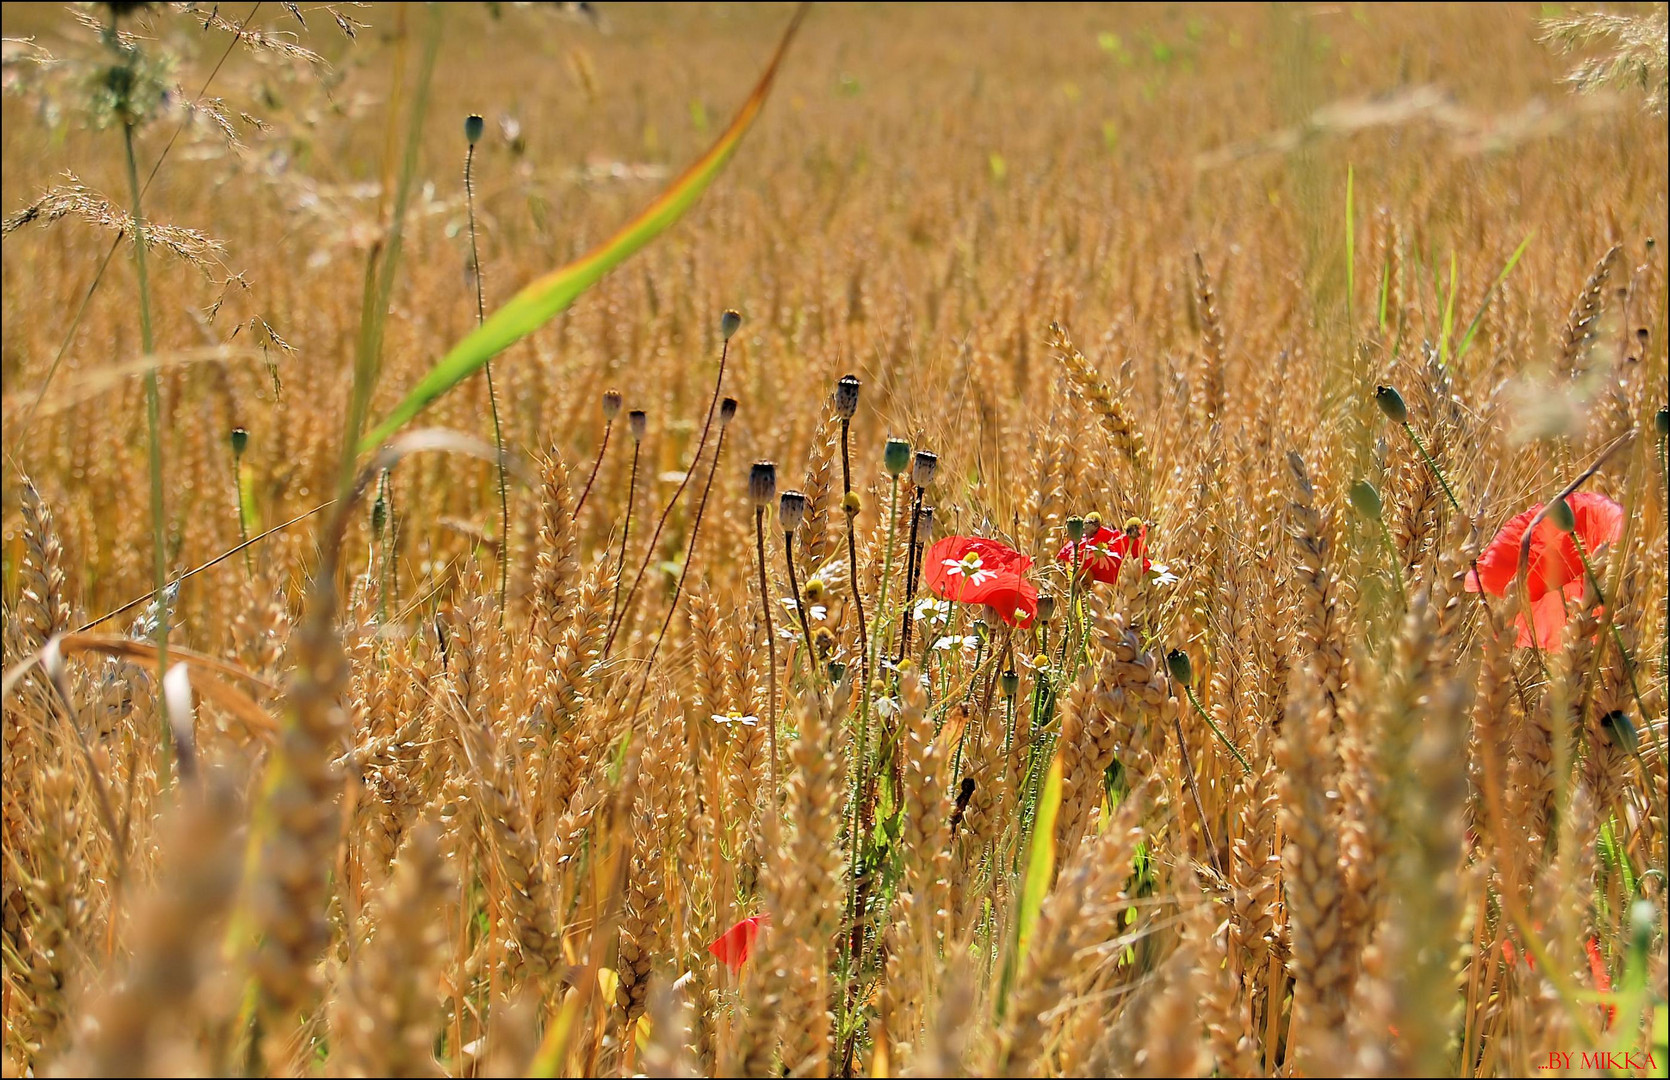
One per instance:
(1040,866)
(543,298)
(1490,293)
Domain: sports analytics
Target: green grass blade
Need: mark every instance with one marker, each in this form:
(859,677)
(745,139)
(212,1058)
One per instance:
(1490,294)
(546,296)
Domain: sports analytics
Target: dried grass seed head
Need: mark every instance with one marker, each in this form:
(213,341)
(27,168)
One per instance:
(727,411)
(923,467)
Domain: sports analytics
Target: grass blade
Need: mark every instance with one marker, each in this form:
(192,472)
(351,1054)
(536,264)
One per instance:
(544,297)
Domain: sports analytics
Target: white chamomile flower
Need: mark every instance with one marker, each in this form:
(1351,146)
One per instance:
(967,643)
(929,610)
(1162,574)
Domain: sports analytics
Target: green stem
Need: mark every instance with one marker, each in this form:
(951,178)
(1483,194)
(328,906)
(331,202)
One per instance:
(153,421)
(492,395)
(1189,690)
(1391,557)
(1433,465)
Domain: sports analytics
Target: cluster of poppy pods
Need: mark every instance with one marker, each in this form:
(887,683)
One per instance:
(1554,568)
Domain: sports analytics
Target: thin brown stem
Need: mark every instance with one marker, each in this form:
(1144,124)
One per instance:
(771,656)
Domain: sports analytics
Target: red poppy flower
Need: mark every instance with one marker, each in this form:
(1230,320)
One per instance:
(1598,972)
(1101,555)
(974,570)
(1555,569)
(735,945)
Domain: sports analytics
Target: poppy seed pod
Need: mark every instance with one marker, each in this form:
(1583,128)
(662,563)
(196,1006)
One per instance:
(1046,607)
(1562,517)
(762,482)
(240,440)
(379,516)
(791,510)
(1075,528)
(1177,662)
(729,322)
(611,404)
(637,421)
(896,456)
(846,396)
(923,467)
(1621,731)
(1662,422)
(472,128)
(1391,403)
(852,504)
(837,671)
(1010,683)
(1133,525)
(727,411)
(1366,500)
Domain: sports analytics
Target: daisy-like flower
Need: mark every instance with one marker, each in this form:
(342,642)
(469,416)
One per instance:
(1100,555)
(733,718)
(929,610)
(817,612)
(966,642)
(736,945)
(975,570)
(1162,574)
(1555,569)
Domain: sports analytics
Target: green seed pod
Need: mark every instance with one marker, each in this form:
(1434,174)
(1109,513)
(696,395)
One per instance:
(1621,730)
(729,322)
(762,482)
(1075,528)
(896,456)
(1559,512)
(472,128)
(846,396)
(837,671)
(240,441)
(1366,500)
(1010,683)
(1662,422)
(1177,662)
(1391,403)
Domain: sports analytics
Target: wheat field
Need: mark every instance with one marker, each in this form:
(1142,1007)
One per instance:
(1025,578)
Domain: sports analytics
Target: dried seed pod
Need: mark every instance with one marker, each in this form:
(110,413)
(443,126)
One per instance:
(791,510)
(611,403)
(923,468)
(846,396)
(762,482)
(637,421)
(727,411)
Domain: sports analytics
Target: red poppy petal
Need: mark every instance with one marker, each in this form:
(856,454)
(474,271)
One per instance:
(1548,618)
(1600,520)
(1498,563)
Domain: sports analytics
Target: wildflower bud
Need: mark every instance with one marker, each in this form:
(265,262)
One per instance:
(240,440)
(1177,662)
(472,128)
(1010,683)
(1046,607)
(1075,528)
(846,396)
(727,411)
(823,639)
(729,322)
(637,421)
(837,671)
(923,467)
(1621,731)
(852,504)
(896,456)
(1560,514)
(791,510)
(1092,522)
(1662,422)
(815,588)
(379,516)
(762,482)
(878,688)
(611,404)
(1366,500)
(1391,403)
